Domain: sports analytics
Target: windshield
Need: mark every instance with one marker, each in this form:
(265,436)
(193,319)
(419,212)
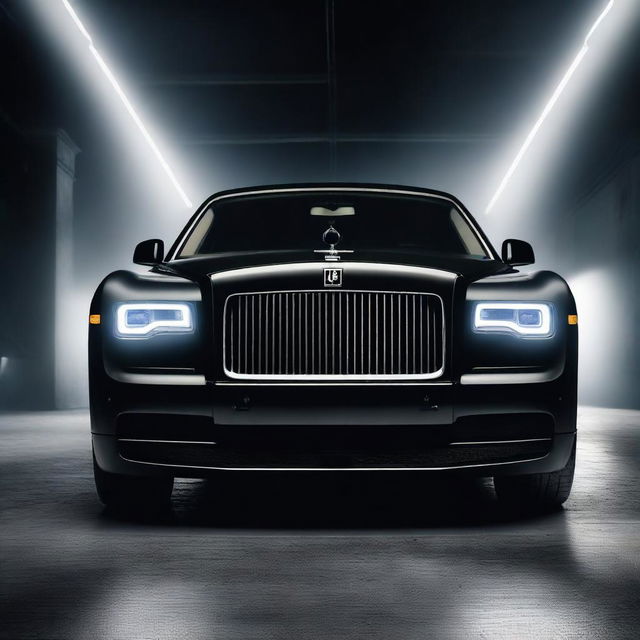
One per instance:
(283,221)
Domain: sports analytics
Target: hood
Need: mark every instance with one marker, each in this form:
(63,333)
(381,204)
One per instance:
(201,266)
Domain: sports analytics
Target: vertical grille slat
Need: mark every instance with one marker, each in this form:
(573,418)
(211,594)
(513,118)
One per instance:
(246,317)
(376,340)
(306,333)
(369,333)
(333,333)
(253,333)
(428,336)
(362,334)
(413,332)
(339,333)
(420,332)
(391,333)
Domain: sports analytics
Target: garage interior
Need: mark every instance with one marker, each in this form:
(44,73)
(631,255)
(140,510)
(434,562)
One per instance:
(119,118)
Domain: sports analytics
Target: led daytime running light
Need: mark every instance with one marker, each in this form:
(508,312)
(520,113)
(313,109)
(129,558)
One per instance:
(514,322)
(158,318)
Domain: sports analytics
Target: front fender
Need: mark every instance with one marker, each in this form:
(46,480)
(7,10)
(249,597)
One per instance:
(508,358)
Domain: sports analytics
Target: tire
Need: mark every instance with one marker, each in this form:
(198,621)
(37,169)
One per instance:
(537,491)
(119,491)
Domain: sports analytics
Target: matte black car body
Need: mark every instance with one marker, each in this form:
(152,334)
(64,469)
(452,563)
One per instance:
(167,406)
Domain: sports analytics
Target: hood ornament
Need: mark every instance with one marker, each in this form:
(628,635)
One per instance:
(331,237)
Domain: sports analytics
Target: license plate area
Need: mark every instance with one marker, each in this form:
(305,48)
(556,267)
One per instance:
(332,404)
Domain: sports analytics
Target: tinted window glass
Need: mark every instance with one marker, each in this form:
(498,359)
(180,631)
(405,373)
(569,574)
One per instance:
(381,222)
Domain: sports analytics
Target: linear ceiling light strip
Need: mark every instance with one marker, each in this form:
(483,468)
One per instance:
(549,106)
(128,106)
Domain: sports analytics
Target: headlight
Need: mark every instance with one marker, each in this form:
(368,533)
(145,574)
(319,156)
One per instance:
(522,318)
(147,318)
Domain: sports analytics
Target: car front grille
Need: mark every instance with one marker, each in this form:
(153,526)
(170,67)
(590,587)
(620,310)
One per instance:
(333,334)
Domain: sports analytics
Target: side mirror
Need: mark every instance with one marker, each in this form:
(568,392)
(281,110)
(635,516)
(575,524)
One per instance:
(517,252)
(149,252)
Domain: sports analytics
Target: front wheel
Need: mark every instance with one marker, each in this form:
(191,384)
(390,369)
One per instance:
(120,491)
(537,491)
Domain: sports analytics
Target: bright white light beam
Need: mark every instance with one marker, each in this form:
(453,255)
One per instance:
(128,106)
(549,106)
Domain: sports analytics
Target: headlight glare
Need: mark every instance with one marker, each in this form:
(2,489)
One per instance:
(522,318)
(147,318)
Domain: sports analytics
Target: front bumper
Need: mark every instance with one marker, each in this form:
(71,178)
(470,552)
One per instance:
(193,431)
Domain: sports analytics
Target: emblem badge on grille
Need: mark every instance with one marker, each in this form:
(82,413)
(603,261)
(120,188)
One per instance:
(333,277)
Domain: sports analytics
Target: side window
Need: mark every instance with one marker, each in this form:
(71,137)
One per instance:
(199,233)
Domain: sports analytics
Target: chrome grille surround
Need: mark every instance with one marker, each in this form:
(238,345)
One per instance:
(333,335)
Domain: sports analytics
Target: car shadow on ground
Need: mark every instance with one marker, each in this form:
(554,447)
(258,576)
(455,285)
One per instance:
(328,501)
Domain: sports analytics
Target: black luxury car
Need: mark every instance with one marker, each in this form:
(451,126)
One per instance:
(333,327)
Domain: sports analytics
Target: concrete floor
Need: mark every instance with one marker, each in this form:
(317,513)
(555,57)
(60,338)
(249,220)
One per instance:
(317,557)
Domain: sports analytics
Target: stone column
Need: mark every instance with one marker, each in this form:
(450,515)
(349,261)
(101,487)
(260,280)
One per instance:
(70,312)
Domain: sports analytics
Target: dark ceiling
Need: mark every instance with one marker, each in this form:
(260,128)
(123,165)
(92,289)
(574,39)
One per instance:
(230,70)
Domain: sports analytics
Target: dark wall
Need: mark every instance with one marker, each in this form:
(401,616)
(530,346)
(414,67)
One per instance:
(604,229)
(585,222)
(27,225)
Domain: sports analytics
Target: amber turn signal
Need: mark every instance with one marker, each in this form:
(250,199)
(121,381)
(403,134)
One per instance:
(94,318)
(572,319)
